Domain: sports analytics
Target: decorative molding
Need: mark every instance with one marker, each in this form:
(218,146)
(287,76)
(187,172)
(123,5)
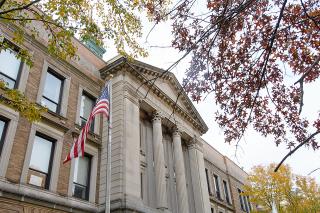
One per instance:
(156,116)
(194,143)
(177,131)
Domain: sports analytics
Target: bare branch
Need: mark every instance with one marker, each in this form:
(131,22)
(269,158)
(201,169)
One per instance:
(313,171)
(300,81)
(295,149)
(20,8)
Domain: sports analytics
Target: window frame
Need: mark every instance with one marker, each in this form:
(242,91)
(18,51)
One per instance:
(97,119)
(14,48)
(53,141)
(226,191)
(13,118)
(23,72)
(4,131)
(62,79)
(217,186)
(52,133)
(208,181)
(93,151)
(241,200)
(64,90)
(92,126)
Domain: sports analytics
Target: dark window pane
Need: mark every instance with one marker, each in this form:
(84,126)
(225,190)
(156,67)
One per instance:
(41,154)
(9,67)
(79,191)
(208,183)
(216,180)
(2,133)
(241,200)
(226,191)
(245,203)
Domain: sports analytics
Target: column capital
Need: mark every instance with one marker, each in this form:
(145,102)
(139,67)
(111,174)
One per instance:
(195,143)
(156,116)
(177,131)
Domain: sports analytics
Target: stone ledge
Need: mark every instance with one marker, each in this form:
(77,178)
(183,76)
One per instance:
(36,195)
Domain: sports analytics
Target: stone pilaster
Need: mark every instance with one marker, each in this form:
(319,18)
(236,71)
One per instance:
(200,189)
(159,166)
(180,173)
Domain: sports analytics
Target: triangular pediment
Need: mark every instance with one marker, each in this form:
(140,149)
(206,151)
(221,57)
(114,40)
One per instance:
(166,86)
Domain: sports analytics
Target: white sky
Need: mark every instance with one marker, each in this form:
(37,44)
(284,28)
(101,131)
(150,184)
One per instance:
(254,149)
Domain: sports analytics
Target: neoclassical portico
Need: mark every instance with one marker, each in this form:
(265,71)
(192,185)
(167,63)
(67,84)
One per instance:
(201,197)
(156,160)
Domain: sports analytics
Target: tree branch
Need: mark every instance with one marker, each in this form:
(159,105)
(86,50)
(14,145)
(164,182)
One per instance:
(310,17)
(313,171)
(295,149)
(19,8)
(308,70)
(2,3)
(264,67)
(300,81)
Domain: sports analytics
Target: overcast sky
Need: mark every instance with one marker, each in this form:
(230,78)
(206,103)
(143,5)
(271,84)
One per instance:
(254,149)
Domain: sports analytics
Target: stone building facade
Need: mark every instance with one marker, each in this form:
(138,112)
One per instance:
(159,161)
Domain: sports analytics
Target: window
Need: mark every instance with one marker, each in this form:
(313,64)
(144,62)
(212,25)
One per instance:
(241,200)
(41,161)
(8,126)
(10,67)
(246,203)
(87,104)
(208,183)
(249,204)
(51,96)
(212,210)
(141,185)
(81,178)
(226,191)
(217,186)
(3,128)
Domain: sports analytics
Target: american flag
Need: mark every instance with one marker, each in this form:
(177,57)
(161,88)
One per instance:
(101,107)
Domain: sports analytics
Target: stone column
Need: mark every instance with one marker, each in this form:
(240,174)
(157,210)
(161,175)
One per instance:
(180,173)
(159,167)
(198,178)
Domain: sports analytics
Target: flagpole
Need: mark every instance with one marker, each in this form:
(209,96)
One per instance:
(108,170)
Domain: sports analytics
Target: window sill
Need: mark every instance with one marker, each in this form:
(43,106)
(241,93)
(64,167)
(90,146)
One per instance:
(46,197)
(221,202)
(91,136)
(55,114)
(56,120)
